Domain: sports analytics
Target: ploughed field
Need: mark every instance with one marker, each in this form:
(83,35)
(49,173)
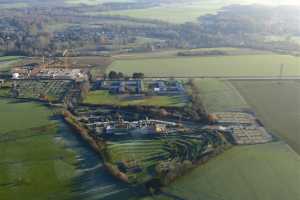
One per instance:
(239,65)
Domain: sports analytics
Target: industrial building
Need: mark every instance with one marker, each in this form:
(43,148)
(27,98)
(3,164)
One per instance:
(141,127)
(166,87)
(121,86)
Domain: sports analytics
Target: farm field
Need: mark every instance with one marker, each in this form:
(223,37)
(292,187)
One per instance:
(176,12)
(42,159)
(7,61)
(95,2)
(8,58)
(5,66)
(173,53)
(247,172)
(249,65)
(27,115)
(105,98)
(220,96)
(27,172)
(12,5)
(277,105)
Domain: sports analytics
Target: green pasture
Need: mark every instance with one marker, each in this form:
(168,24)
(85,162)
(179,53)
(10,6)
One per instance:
(174,13)
(173,53)
(188,11)
(219,96)
(19,116)
(105,98)
(240,65)
(5,92)
(33,165)
(8,58)
(260,172)
(95,2)
(7,61)
(277,104)
(13,5)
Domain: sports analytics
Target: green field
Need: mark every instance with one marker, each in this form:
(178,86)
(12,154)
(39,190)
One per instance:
(13,5)
(7,61)
(19,116)
(95,2)
(33,166)
(174,13)
(277,104)
(243,65)
(219,96)
(260,172)
(187,11)
(105,98)
(8,58)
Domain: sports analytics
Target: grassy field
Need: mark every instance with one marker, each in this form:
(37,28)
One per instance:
(8,58)
(187,11)
(42,159)
(249,65)
(7,61)
(174,13)
(13,5)
(260,172)
(25,115)
(277,105)
(95,2)
(172,53)
(33,165)
(105,98)
(219,96)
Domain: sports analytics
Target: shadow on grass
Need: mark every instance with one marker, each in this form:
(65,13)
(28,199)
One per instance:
(17,101)
(92,181)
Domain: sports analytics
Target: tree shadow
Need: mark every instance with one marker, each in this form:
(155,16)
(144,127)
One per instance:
(92,181)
